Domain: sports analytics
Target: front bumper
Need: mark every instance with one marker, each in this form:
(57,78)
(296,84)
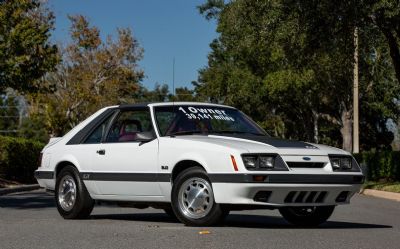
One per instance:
(279,190)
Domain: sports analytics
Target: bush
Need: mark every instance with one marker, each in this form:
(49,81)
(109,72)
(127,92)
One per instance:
(380,165)
(19,158)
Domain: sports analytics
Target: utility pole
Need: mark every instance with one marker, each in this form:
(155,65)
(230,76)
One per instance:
(356,146)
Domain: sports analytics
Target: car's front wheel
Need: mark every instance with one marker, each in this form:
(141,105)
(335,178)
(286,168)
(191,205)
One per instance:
(193,199)
(307,216)
(72,199)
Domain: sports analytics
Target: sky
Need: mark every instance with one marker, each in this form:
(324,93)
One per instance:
(165,29)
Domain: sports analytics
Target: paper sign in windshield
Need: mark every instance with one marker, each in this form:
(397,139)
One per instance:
(201,113)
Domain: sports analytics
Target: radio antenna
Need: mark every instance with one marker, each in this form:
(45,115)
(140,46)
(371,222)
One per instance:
(173,76)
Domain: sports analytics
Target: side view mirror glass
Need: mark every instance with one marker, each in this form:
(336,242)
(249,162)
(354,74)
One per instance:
(145,136)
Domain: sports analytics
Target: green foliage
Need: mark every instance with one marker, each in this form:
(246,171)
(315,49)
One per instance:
(9,114)
(94,73)
(289,64)
(19,158)
(25,51)
(384,186)
(380,165)
(32,128)
(385,15)
(211,8)
(161,93)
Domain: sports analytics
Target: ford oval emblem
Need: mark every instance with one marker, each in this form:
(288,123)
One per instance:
(306,158)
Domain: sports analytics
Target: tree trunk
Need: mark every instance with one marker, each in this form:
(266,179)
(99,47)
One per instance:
(346,130)
(394,50)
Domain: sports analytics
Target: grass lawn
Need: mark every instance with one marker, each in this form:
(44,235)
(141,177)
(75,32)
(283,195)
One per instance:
(385,186)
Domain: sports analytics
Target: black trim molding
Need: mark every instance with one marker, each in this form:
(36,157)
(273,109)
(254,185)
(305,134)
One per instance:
(126,177)
(217,178)
(287,178)
(81,135)
(44,174)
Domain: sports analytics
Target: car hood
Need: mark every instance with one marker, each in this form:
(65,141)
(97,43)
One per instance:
(265,144)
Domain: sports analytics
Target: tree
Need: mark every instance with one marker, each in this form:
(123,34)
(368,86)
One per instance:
(9,113)
(385,14)
(93,74)
(26,54)
(289,64)
(161,93)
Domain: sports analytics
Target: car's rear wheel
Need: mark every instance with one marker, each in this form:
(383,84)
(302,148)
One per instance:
(193,199)
(72,198)
(307,216)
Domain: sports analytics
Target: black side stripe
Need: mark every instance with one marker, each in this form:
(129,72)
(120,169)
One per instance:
(44,174)
(288,178)
(217,178)
(125,177)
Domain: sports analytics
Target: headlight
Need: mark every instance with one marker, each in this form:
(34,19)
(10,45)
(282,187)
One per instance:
(250,161)
(341,162)
(335,163)
(264,162)
(346,163)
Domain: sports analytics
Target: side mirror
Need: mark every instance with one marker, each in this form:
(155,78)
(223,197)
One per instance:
(145,136)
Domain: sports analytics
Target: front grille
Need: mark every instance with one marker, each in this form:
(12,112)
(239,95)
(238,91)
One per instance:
(305,165)
(305,197)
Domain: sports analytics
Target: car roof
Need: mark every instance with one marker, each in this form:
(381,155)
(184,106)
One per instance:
(152,104)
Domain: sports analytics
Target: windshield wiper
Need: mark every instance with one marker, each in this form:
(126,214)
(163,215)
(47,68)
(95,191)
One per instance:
(178,133)
(238,132)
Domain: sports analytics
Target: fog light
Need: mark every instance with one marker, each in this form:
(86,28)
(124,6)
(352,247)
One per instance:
(342,197)
(262,196)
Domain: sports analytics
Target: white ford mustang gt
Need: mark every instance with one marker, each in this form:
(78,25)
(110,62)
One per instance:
(196,161)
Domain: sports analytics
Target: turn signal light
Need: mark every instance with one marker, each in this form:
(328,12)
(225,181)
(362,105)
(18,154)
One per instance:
(235,167)
(259,178)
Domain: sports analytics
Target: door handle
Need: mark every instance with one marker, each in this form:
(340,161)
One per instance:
(101,152)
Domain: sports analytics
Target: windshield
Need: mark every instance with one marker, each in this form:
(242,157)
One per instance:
(197,119)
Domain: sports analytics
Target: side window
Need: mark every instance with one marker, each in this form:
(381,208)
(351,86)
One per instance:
(96,136)
(164,120)
(128,124)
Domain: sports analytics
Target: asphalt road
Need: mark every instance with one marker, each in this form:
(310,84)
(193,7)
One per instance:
(30,220)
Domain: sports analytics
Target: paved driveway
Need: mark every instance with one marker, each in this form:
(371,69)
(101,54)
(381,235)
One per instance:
(30,220)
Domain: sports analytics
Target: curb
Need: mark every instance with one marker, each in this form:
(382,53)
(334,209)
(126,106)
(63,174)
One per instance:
(381,194)
(19,189)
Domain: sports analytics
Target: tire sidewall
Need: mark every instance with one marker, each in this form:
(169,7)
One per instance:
(81,193)
(215,213)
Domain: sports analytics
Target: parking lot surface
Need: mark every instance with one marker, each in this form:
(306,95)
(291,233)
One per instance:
(30,220)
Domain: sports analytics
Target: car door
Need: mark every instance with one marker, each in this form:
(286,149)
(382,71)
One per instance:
(123,164)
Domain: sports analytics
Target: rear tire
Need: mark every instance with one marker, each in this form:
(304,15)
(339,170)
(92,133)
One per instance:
(307,216)
(72,198)
(192,199)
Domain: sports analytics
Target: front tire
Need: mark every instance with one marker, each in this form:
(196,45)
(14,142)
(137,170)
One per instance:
(307,216)
(193,199)
(72,198)
(170,213)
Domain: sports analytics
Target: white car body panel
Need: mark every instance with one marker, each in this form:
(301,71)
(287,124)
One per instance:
(156,160)
(118,159)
